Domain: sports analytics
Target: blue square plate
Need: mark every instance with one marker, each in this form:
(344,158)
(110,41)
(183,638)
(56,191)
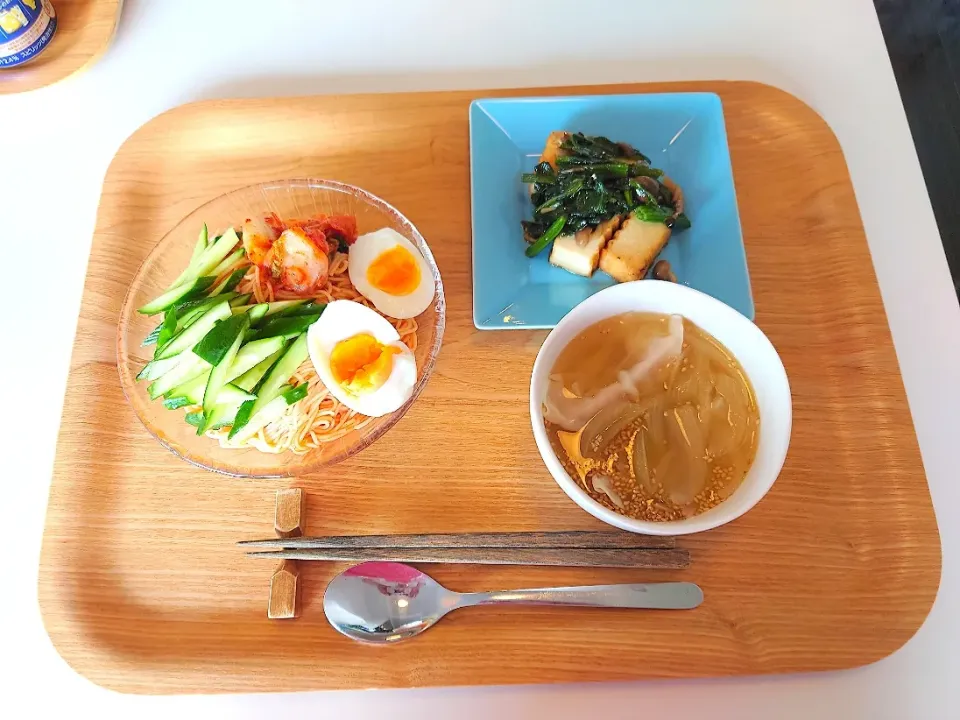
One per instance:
(682,133)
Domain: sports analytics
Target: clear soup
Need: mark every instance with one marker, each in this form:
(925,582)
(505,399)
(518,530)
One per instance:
(652,416)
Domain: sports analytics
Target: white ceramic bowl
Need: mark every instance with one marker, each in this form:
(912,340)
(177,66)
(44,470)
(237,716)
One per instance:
(741,337)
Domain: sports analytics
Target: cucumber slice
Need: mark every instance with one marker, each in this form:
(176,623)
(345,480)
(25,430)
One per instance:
(194,418)
(192,391)
(190,336)
(229,260)
(224,360)
(168,328)
(242,419)
(281,372)
(158,368)
(284,326)
(188,368)
(173,403)
(314,307)
(184,309)
(241,300)
(254,353)
(252,377)
(232,395)
(201,243)
(217,343)
(209,258)
(214,254)
(273,383)
(248,422)
(256,312)
(283,306)
(229,282)
(222,415)
(243,431)
(190,311)
(187,290)
(251,364)
(250,356)
(184,314)
(152,338)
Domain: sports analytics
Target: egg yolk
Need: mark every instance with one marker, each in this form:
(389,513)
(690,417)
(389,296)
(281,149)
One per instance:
(394,271)
(360,364)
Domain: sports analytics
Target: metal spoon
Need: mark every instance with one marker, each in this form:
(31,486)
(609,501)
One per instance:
(382,602)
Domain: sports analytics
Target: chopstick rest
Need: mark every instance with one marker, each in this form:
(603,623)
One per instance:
(284,602)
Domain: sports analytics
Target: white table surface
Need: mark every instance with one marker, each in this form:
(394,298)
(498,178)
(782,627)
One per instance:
(59,141)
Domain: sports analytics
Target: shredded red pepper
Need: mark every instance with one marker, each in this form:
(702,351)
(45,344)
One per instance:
(275,223)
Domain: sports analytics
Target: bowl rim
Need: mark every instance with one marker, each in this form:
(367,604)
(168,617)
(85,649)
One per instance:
(714,517)
(439,302)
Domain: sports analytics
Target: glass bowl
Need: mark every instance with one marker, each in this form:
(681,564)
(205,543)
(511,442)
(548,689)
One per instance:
(298,198)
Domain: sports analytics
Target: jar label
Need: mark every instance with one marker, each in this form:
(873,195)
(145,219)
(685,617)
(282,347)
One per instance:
(26,27)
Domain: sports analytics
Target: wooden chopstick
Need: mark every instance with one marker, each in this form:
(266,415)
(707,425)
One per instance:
(564,539)
(568,557)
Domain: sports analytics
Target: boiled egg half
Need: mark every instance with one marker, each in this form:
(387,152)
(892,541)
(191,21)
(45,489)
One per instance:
(390,272)
(360,359)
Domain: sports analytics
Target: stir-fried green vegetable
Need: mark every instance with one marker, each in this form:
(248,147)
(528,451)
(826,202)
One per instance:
(595,180)
(548,237)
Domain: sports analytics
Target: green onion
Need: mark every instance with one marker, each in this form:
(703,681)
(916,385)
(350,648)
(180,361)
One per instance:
(295,394)
(639,169)
(571,161)
(548,237)
(539,178)
(652,213)
(553,203)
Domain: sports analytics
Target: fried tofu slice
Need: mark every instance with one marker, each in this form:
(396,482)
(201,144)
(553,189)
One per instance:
(551,148)
(633,249)
(580,253)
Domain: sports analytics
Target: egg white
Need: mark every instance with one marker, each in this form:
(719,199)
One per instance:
(365,250)
(342,319)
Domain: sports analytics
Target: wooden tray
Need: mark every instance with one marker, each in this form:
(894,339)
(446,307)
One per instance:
(142,589)
(85,29)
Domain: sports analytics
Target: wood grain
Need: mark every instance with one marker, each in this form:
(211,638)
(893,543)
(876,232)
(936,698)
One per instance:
(143,589)
(85,28)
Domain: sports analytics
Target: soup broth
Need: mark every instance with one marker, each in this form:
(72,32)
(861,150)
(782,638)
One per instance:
(652,416)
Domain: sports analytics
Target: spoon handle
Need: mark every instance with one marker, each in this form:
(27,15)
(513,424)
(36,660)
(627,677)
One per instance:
(664,596)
